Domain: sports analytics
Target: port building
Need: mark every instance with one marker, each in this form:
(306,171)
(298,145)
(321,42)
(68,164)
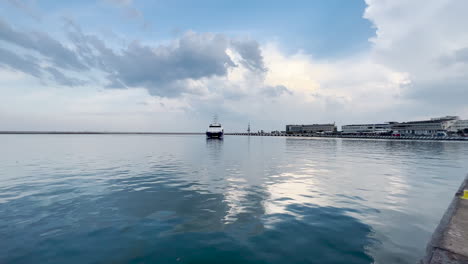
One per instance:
(425,127)
(459,125)
(367,128)
(314,128)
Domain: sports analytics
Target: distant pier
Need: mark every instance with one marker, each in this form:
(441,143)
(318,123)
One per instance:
(433,138)
(449,243)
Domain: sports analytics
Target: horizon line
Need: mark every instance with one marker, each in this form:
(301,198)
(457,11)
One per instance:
(95,132)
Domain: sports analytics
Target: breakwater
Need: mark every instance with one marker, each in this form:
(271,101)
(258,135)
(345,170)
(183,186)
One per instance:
(434,138)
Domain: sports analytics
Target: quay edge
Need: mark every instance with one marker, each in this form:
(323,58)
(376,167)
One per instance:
(449,242)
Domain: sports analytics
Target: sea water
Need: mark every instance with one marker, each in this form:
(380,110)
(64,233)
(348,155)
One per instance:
(186,199)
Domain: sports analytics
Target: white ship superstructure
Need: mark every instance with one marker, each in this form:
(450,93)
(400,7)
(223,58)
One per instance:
(215,130)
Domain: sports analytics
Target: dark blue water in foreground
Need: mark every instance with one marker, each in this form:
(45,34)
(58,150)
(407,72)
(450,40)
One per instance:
(183,199)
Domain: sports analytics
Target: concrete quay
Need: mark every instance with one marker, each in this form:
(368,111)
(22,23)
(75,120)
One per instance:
(433,138)
(449,243)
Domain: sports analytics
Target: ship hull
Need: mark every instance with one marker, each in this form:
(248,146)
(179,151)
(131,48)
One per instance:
(214,135)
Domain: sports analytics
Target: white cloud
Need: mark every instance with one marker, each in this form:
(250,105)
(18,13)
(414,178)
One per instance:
(321,91)
(426,40)
(415,68)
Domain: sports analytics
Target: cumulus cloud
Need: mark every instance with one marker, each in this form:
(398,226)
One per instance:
(12,60)
(415,68)
(424,39)
(275,91)
(42,44)
(62,79)
(251,54)
(193,56)
(164,70)
(160,68)
(300,89)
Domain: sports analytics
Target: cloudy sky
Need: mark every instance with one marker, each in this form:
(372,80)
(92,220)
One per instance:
(143,65)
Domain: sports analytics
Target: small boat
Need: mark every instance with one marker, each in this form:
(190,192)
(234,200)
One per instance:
(215,130)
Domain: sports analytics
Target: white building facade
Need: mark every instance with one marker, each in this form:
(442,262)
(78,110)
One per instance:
(366,129)
(425,127)
(458,125)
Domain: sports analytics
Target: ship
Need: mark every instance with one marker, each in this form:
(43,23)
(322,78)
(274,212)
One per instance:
(215,130)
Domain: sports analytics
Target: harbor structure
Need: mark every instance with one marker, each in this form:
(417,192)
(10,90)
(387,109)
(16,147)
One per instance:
(367,128)
(459,125)
(429,127)
(314,128)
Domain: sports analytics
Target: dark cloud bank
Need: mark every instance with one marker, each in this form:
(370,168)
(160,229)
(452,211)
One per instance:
(192,56)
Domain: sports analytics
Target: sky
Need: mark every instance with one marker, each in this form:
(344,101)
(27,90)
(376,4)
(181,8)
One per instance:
(144,65)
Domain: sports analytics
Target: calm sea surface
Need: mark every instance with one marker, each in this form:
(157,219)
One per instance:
(185,199)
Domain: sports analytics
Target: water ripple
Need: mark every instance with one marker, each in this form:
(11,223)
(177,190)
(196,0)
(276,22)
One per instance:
(167,199)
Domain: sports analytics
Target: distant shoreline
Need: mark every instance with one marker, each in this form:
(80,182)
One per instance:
(236,134)
(94,133)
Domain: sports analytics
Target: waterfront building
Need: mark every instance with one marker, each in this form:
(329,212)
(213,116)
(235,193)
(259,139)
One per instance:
(425,127)
(314,128)
(459,125)
(367,128)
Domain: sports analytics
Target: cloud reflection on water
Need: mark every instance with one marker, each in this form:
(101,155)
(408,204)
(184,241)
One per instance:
(250,200)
